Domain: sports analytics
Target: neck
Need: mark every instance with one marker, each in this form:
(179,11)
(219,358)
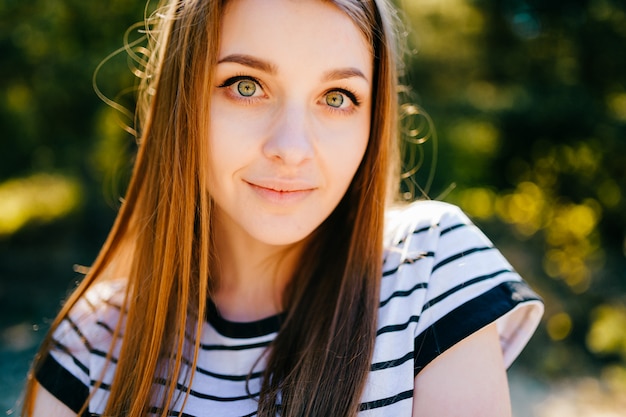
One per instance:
(251,275)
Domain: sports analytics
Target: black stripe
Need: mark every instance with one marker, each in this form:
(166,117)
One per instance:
(460,255)
(79,332)
(253,375)
(370,405)
(234,378)
(103,386)
(392,363)
(158,410)
(461,286)
(467,319)
(216,398)
(408,261)
(451,228)
(58,345)
(242,330)
(88,346)
(423,229)
(106,327)
(193,393)
(86,342)
(397,327)
(416,232)
(102,354)
(405,293)
(64,386)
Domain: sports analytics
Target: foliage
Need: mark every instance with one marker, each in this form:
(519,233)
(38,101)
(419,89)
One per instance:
(50,116)
(529,100)
(529,103)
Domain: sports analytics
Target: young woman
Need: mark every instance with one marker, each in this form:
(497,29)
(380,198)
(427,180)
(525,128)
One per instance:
(256,266)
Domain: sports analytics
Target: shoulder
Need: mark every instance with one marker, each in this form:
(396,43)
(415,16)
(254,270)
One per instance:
(81,343)
(406,218)
(88,328)
(96,312)
(443,273)
(417,239)
(421,231)
(422,210)
(435,230)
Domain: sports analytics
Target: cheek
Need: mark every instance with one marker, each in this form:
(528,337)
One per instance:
(232,140)
(347,150)
(341,164)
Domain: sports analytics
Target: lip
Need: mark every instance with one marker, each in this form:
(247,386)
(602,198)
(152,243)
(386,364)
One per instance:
(281,192)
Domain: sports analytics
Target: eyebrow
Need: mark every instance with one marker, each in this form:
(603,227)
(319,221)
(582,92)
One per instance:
(343,73)
(268,67)
(250,61)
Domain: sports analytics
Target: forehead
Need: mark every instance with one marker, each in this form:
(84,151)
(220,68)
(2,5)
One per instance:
(296,31)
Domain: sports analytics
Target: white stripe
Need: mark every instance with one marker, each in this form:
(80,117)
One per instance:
(515,327)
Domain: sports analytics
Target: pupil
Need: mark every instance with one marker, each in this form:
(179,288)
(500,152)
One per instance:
(246,88)
(334,99)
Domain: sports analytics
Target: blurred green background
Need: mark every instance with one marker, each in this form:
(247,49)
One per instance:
(529,102)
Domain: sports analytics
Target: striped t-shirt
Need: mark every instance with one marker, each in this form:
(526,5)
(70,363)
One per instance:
(442,281)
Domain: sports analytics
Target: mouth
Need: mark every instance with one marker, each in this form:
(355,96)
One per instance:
(290,186)
(282,192)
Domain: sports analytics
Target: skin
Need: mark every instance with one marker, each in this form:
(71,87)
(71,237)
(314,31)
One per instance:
(468,380)
(282,156)
(290,122)
(450,386)
(48,405)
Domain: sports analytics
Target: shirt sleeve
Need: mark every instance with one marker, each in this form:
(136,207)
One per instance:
(78,350)
(470,286)
(62,383)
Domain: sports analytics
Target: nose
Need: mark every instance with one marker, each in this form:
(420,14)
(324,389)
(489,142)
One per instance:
(290,141)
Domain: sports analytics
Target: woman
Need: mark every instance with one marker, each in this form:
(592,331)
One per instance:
(250,242)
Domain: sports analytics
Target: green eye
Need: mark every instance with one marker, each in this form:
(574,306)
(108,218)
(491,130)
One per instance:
(246,88)
(334,99)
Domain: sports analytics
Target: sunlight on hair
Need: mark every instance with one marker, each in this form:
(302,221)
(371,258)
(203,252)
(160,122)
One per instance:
(40,198)
(416,130)
(111,149)
(136,55)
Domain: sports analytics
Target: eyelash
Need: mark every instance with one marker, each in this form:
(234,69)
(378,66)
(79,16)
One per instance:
(233,80)
(351,95)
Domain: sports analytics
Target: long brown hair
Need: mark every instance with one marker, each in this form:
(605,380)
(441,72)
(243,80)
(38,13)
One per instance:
(162,238)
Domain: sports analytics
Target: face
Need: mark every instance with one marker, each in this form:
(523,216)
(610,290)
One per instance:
(290,116)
